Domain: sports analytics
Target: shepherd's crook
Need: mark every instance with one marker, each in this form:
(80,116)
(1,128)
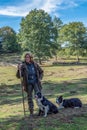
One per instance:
(22,92)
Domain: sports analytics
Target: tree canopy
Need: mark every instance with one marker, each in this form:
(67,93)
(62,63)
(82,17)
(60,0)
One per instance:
(58,25)
(37,34)
(73,35)
(8,39)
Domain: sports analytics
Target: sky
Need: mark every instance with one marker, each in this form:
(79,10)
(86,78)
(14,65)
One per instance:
(12,11)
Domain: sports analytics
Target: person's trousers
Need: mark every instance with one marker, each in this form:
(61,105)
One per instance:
(36,89)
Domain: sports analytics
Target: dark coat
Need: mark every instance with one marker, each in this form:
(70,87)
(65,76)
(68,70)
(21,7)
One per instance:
(24,74)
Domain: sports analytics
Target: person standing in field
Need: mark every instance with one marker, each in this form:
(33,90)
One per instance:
(32,75)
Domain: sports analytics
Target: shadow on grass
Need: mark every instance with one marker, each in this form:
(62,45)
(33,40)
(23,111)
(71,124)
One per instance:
(12,94)
(16,123)
(60,120)
(66,88)
(62,64)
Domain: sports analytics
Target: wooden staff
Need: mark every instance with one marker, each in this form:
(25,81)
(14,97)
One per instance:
(22,92)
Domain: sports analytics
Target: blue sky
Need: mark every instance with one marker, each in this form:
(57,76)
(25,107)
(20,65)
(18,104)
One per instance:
(11,11)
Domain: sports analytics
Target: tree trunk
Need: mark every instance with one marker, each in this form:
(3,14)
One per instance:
(78,59)
(86,51)
(40,61)
(56,57)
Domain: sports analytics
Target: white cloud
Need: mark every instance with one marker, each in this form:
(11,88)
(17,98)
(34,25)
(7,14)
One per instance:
(12,11)
(50,6)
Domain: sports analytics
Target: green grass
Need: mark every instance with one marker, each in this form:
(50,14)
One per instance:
(58,80)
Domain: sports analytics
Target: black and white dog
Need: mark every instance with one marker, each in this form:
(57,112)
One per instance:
(65,103)
(45,106)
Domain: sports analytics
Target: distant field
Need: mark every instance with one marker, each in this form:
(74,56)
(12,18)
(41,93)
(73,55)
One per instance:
(69,81)
(15,58)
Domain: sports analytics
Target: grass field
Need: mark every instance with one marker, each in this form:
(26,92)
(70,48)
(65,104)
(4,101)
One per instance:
(69,81)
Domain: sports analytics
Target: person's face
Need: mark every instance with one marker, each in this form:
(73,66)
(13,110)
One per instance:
(27,58)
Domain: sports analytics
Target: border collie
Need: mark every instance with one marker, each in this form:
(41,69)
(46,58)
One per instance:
(65,103)
(45,106)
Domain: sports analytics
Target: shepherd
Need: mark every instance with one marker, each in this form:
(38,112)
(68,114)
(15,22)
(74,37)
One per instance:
(32,75)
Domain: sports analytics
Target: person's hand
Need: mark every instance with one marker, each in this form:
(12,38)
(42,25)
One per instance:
(19,66)
(24,89)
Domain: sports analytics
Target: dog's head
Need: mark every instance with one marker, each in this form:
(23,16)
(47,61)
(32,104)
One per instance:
(59,100)
(38,95)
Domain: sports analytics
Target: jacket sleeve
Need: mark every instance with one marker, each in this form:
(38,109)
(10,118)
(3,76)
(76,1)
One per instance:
(18,72)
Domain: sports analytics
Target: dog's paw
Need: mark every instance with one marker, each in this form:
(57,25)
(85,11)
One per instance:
(45,115)
(60,107)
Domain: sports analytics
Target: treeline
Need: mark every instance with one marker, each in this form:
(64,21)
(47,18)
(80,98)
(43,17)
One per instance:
(45,37)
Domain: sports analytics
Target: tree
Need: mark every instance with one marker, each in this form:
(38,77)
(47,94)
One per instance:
(37,34)
(73,35)
(8,39)
(0,43)
(84,46)
(58,25)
